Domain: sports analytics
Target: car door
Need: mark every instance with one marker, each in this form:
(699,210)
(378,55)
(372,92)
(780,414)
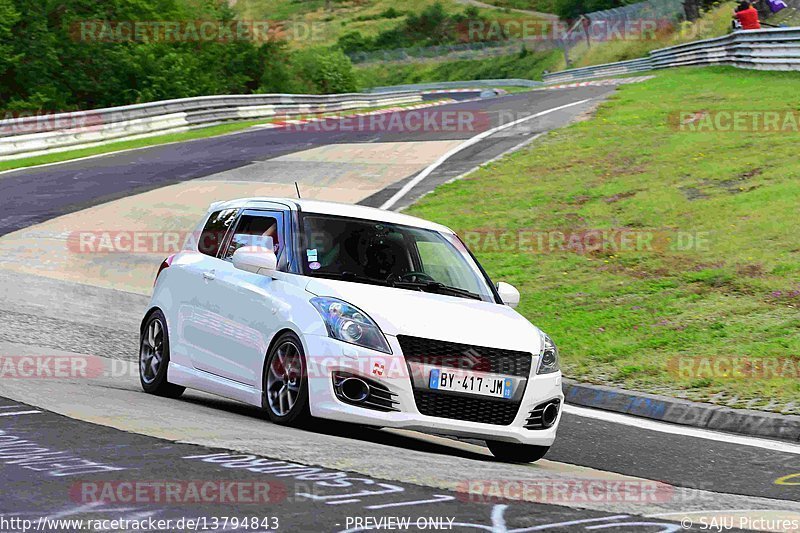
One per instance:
(188,278)
(243,304)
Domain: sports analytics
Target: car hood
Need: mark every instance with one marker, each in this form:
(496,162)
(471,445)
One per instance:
(435,316)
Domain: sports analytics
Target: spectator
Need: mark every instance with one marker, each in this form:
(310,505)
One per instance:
(747,16)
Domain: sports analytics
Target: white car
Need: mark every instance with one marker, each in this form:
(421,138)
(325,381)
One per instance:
(315,309)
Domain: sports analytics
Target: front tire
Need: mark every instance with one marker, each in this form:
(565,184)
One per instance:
(285,393)
(154,358)
(511,452)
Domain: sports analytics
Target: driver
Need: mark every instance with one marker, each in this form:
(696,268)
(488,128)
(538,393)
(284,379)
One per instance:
(382,258)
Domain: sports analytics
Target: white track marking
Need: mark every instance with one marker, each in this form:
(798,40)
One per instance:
(20,413)
(498,520)
(495,158)
(713,512)
(668,528)
(509,151)
(437,498)
(685,431)
(466,144)
(575,523)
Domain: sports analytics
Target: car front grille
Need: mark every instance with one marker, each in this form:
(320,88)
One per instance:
(419,351)
(471,409)
(465,356)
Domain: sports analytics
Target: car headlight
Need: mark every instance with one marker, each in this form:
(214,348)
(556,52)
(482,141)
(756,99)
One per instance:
(548,357)
(348,323)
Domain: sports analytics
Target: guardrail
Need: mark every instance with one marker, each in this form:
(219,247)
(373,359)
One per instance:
(28,136)
(600,71)
(444,85)
(769,49)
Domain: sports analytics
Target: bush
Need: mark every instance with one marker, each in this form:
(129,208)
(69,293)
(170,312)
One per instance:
(391,13)
(48,65)
(354,41)
(324,71)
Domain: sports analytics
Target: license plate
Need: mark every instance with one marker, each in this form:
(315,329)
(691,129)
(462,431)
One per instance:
(471,383)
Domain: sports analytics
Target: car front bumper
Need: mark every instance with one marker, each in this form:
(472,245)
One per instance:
(324,356)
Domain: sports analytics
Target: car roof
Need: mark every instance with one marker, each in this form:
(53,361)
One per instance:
(332,208)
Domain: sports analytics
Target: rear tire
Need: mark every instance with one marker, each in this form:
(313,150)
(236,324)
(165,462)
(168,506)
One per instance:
(285,383)
(154,358)
(511,452)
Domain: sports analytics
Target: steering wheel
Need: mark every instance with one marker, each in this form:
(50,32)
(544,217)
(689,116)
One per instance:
(415,276)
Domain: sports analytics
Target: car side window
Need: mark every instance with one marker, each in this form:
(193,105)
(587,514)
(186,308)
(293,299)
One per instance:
(214,231)
(256,230)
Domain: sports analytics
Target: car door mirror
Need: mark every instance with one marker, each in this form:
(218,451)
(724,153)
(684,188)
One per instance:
(508,293)
(255,259)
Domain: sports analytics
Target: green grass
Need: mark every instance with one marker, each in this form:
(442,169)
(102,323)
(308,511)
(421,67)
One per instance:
(542,6)
(621,317)
(200,133)
(58,157)
(714,23)
(529,67)
(348,15)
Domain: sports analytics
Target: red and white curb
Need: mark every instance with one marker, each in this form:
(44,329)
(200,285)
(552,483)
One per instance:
(599,83)
(475,90)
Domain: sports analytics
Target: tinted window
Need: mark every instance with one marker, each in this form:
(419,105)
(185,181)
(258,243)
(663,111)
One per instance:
(255,230)
(214,231)
(382,253)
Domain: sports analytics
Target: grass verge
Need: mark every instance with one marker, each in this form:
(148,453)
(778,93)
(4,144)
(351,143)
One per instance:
(714,317)
(527,66)
(309,23)
(714,23)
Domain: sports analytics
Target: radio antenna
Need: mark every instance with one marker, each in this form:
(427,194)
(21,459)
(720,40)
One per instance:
(297,188)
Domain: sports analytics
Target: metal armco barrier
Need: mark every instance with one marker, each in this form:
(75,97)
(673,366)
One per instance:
(28,136)
(444,85)
(772,49)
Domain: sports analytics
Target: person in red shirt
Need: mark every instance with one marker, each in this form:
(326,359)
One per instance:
(747,16)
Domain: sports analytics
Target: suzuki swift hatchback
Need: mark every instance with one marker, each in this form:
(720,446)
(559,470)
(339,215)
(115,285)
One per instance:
(313,309)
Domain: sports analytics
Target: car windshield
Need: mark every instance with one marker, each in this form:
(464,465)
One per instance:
(381,253)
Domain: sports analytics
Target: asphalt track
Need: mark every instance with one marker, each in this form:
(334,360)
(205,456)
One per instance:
(40,314)
(81,477)
(34,195)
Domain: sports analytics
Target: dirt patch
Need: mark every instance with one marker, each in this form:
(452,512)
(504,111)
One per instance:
(693,193)
(750,271)
(737,185)
(619,196)
(580,199)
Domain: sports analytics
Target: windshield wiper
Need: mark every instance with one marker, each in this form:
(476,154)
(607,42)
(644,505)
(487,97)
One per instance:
(437,287)
(354,276)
